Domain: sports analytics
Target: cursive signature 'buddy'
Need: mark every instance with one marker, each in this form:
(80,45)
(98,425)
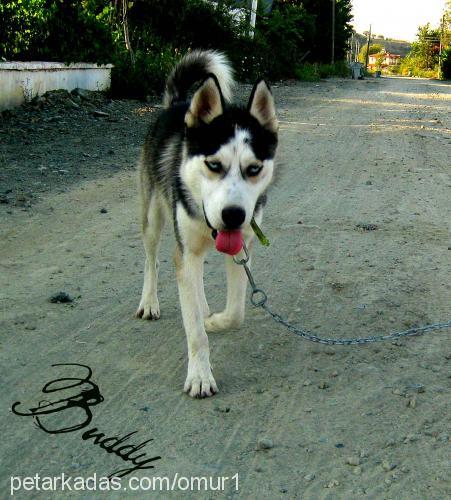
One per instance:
(88,395)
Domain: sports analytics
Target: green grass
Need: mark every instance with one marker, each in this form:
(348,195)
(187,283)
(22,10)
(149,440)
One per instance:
(312,72)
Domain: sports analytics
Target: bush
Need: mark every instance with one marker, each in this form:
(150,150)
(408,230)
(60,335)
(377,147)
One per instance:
(53,30)
(146,76)
(283,33)
(307,72)
(160,31)
(446,64)
(411,67)
(314,72)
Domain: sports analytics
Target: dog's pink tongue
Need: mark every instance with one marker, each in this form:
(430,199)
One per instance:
(230,242)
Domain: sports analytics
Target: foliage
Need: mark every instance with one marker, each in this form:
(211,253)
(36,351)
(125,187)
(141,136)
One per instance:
(312,72)
(144,38)
(284,33)
(146,76)
(375,48)
(319,43)
(425,51)
(446,64)
(50,30)
(423,58)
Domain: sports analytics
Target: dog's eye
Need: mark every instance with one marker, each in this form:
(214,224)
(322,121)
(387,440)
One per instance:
(253,170)
(214,166)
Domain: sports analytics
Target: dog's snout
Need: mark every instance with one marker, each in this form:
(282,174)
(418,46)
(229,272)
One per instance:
(233,217)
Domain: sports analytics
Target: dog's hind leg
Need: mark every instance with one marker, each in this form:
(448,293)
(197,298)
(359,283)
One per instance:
(152,226)
(233,314)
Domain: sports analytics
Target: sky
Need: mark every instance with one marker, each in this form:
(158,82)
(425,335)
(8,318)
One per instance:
(397,19)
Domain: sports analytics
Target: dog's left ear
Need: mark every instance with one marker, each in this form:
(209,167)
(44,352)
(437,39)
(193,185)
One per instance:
(207,103)
(261,106)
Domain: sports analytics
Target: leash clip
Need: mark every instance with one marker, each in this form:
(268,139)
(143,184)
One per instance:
(242,262)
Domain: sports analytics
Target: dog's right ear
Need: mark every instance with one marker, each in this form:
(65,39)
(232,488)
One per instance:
(261,106)
(207,103)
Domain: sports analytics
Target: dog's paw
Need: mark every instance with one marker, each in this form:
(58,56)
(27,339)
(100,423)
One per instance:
(148,309)
(199,381)
(221,321)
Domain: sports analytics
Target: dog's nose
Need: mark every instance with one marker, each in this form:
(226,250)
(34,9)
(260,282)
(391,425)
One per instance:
(233,217)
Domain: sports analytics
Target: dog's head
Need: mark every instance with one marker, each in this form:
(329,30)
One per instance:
(229,158)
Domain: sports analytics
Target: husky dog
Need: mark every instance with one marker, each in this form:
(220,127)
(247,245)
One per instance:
(207,165)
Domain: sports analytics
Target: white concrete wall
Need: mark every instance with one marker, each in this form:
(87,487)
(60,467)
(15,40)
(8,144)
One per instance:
(21,81)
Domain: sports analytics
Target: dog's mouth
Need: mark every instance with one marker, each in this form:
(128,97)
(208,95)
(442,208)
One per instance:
(226,241)
(229,242)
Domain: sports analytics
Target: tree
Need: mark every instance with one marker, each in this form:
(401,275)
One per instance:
(426,50)
(318,40)
(375,48)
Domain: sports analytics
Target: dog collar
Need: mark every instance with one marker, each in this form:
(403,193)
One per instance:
(214,232)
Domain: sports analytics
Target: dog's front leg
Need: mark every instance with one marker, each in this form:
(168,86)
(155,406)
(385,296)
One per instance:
(233,314)
(199,381)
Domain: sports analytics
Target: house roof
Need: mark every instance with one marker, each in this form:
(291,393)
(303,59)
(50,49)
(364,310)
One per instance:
(385,54)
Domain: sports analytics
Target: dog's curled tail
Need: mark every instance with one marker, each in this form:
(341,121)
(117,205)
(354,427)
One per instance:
(194,67)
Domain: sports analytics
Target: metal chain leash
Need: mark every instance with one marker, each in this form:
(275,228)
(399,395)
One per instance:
(259,299)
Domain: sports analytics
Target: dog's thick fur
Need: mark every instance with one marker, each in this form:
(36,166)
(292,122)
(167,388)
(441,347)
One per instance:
(206,165)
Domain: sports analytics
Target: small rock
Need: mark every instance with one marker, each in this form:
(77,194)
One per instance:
(307,382)
(357,470)
(366,227)
(73,104)
(223,409)
(309,477)
(265,444)
(323,385)
(410,438)
(339,445)
(419,388)
(61,298)
(412,402)
(353,460)
(388,466)
(103,211)
(334,374)
(100,114)
(83,93)
(390,442)
(405,469)
(330,351)
(332,484)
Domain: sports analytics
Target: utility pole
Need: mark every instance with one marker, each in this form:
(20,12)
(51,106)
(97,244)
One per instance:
(442,27)
(253,18)
(368,49)
(333,32)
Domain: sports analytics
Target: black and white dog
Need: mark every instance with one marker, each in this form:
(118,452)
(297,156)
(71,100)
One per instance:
(207,165)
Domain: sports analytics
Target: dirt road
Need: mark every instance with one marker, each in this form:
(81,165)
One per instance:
(359,223)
